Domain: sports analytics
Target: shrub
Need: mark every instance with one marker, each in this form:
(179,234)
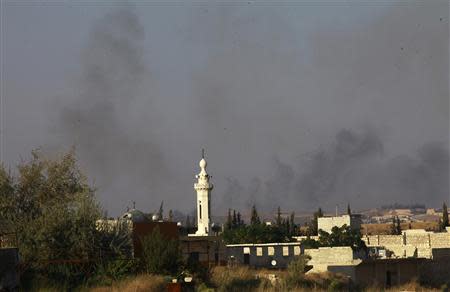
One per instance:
(160,255)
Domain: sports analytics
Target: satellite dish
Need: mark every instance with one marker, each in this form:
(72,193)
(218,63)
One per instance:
(155,217)
(273,263)
(179,224)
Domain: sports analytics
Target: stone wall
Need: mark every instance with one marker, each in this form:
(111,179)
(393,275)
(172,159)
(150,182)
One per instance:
(323,258)
(412,243)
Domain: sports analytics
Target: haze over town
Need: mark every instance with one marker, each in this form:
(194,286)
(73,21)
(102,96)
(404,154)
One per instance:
(298,105)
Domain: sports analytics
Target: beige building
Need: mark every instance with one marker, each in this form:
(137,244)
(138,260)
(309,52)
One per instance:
(412,243)
(327,223)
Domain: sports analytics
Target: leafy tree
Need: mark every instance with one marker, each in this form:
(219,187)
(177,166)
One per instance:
(160,255)
(229,223)
(254,219)
(398,227)
(395,226)
(445,220)
(170,215)
(240,222)
(259,233)
(161,211)
(52,208)
(341,236)
(313,226)
(278,221)
(292,224)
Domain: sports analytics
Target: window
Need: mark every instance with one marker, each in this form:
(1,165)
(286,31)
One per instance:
(246,250)
(285,251)
(296,250)
(270,251)
(259,251)
(200,209)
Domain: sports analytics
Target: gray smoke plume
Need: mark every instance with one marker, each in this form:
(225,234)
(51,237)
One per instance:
(123,160)
(299,105)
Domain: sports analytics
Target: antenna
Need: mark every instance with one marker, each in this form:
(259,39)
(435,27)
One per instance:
(203,153)
(134,205)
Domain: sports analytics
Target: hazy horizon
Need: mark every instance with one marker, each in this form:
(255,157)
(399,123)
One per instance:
(298,105)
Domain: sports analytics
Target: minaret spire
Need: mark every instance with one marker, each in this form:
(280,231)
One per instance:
(203,188)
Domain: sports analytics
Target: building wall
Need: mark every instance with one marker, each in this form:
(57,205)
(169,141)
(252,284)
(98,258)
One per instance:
(411,243)
(327,223)
(262,255)
(387,272)
(323,258)
(207,250)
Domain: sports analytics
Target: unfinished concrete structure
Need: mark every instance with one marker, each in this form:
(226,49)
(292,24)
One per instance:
(263,255)
(412,243)
(327,223)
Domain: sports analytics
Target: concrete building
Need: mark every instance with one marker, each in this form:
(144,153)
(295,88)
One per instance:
(327,223)
(207,250)
(412,243)
(345,257)
(263,255)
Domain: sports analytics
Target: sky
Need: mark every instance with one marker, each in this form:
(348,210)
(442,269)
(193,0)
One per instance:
(298,104)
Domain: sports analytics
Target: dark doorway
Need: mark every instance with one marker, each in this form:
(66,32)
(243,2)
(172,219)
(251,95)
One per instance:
(194,257)
(388,279)
(246,259)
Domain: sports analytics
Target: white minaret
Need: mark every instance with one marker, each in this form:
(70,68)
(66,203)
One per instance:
(203,188)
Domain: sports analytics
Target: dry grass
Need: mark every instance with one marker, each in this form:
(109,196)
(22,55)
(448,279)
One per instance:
(411,286)
(139,283)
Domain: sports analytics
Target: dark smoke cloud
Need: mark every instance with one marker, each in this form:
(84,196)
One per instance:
(123,161)
(353,169)
(296,114)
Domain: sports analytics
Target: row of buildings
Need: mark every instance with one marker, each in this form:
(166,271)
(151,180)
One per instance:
(390,260)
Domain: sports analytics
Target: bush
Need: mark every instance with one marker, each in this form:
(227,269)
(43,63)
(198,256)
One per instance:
(234,279)
(160,255)
(295,274)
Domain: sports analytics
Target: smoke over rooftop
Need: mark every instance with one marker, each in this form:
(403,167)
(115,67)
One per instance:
(297,105)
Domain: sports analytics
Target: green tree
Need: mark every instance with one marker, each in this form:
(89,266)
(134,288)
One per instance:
(254,218)
(52,208)
(234,222)
(342,236)
(160,255)
(278,219)
(229,223)
(239,221)
(398,227)
(445,220)
(161,211)
(292,224)
(313,226)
